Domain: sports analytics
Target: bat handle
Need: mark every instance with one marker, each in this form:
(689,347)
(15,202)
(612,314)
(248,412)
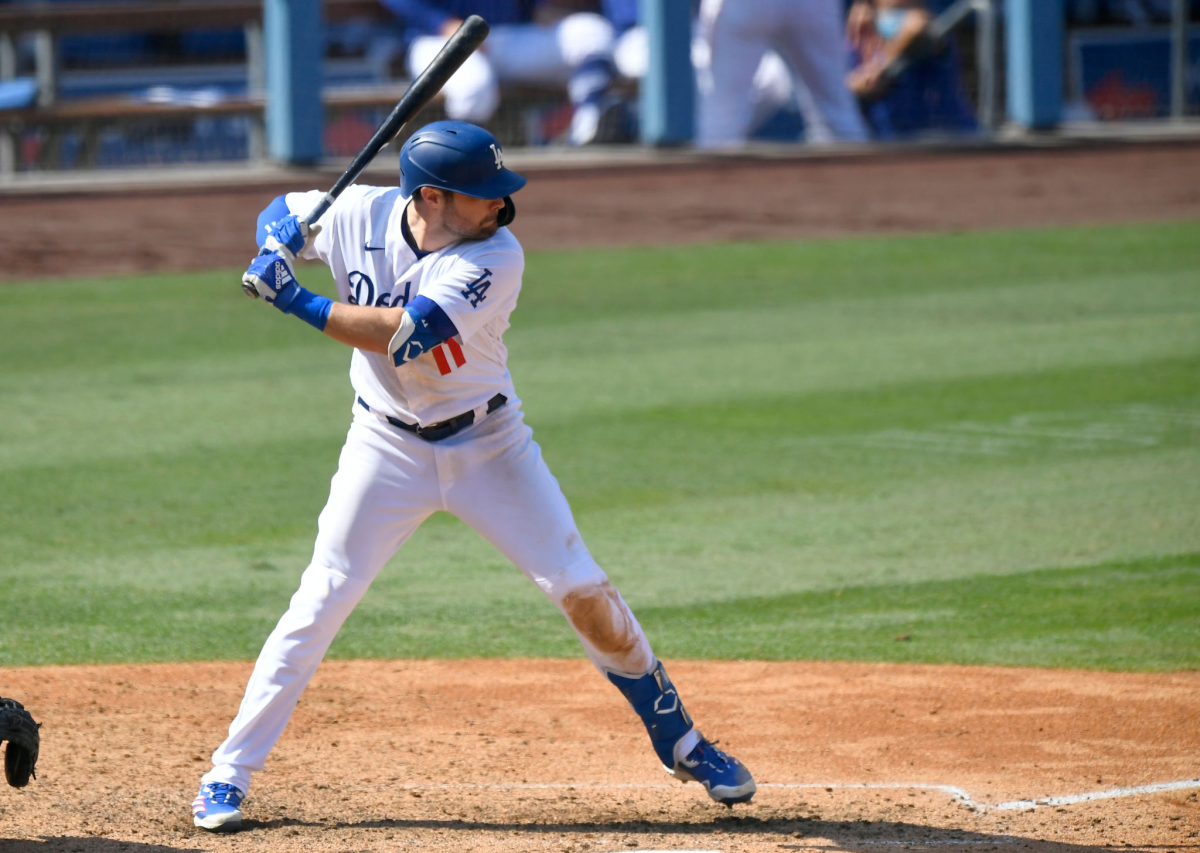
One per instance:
(319,210)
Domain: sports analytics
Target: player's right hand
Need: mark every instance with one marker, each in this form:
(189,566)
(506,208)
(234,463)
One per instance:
(289,236)
(270,276)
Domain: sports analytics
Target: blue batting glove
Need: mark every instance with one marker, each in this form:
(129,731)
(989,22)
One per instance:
(289,236)
(270,276)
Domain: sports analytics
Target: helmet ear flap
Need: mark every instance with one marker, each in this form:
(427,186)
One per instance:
(508,214)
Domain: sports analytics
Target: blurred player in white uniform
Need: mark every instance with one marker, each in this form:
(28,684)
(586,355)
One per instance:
(771,87)
(427,275)
(809,37)
(575,52)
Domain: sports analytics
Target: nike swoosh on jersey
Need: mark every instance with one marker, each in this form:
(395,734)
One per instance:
(369,248)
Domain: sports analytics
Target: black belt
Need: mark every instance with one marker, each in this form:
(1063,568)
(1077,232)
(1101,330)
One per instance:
(442,429)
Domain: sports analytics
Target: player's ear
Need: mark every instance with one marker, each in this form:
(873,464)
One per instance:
(435,196)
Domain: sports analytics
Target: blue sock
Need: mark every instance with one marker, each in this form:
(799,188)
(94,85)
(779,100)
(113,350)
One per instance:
(654,698)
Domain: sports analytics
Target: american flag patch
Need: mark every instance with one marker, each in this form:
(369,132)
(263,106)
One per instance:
(439,355)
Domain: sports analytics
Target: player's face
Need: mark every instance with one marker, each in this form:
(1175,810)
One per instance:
(471,218)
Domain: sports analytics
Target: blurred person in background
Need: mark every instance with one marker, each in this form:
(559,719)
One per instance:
(927,95)
(576,51)
(771,89)
(808,37)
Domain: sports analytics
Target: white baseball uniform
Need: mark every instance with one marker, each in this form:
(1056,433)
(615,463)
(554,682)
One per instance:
(524,53)
(771,87)
(810,37)
(491,474)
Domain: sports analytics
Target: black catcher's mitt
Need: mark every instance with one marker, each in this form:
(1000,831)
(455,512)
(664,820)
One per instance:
(18,728)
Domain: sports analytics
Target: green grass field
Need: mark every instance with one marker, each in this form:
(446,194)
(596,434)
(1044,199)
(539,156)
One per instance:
(988,444)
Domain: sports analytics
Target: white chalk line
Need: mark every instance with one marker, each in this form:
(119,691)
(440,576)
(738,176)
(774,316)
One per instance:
(952,791)
(1014,805)
(1101,795)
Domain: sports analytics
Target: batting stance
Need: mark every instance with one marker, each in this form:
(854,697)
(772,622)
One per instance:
(427,276)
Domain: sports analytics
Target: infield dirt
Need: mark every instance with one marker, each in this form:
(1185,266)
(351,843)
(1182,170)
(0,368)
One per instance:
(448,755)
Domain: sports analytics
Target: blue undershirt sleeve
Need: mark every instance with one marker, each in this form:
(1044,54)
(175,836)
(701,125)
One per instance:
(273,212)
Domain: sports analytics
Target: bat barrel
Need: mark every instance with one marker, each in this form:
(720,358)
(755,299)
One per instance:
(453,54)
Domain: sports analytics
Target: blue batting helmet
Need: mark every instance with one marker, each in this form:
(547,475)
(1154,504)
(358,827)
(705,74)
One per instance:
(456,156)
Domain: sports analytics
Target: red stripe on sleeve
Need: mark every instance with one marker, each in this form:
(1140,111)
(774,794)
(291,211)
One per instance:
(440,357)
(456,351)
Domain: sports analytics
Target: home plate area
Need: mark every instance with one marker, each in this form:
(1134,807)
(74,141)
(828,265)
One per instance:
(533,755)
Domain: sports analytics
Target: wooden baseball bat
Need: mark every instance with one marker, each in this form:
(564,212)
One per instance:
(462,44)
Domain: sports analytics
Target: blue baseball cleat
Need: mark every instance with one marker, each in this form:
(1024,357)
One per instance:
(724,777)
(218,807)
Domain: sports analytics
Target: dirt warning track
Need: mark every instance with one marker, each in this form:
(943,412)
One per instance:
(104,233)
(516,755)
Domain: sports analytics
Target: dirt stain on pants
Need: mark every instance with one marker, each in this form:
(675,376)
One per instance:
(601,616)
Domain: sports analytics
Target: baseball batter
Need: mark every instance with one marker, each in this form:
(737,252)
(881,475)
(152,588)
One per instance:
(807,34)
(427,276)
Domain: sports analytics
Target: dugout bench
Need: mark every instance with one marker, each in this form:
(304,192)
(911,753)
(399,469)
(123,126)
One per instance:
(83,122)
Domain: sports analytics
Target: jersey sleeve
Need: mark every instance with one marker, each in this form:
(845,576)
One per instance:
(476,286)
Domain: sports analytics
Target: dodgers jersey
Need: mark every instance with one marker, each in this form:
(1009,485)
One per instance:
(475,282)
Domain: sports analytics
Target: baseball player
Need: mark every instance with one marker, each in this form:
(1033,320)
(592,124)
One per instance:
(807,34)
(427,276)
(576,52)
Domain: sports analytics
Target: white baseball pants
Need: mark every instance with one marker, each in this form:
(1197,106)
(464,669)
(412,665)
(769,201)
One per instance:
(771,87)
(491,476)
(810,37)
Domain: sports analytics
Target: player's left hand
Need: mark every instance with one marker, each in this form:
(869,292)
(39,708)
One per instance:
(270,276)
(289,236)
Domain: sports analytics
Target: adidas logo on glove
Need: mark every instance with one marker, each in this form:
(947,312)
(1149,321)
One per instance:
(283,277)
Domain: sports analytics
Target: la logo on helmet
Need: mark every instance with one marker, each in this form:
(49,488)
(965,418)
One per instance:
(498,155)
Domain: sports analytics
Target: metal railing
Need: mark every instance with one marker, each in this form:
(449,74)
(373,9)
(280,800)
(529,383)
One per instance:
(934,39)
(985,52)
(1179,27)
(47,23)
